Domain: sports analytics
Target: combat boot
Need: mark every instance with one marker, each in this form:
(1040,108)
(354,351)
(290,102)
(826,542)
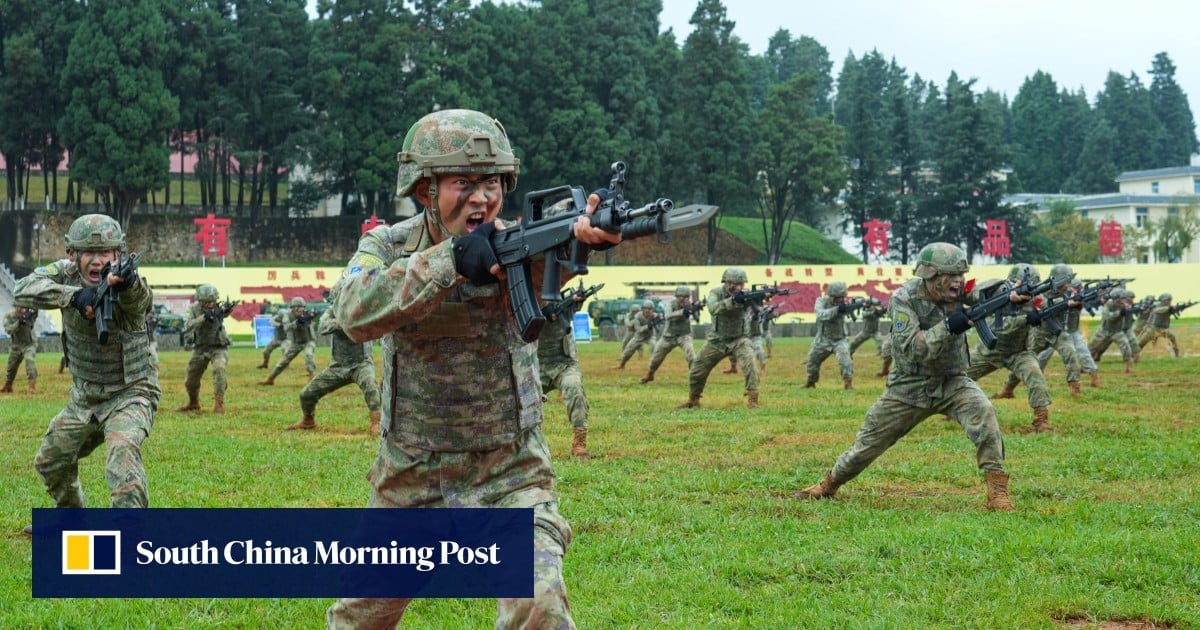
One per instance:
(848,383)
(219,403)
(887,367)
(7,389)
(33,386)
(732,369)
(579,443)
(647,378)
(1074,387)
(373,428)
(1137,357)
(620,366)
(810,383)
(1007,392)
(997,492)
(193,403)
(825,489)
(262,366)
(1129,367)
(752,399)
(306,423)
(692,402)
(762,369)
(1041,420)
(62,365)
(270,380)
(1095,379)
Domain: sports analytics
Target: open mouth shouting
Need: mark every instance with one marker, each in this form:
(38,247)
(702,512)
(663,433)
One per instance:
(474,220)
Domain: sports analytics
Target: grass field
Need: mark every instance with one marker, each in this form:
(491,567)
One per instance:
(683,518)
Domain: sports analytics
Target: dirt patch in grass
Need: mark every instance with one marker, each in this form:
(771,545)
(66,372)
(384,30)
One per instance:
(1116,624)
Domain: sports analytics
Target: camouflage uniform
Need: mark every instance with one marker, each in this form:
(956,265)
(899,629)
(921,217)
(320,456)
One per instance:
(727,338)
(929,378)
(642,332)
(350,362)
(831,337)
(870,328)
(300,338)
(462,399)
(114,388)
(1115,317)
(1044,342)
(206,323)
(756,337)
(1160,326)
(677,333)
(22,347)
(629,324)
(279,323)
(559,370)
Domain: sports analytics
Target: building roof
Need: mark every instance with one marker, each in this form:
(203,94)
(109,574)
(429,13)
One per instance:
(1155,173)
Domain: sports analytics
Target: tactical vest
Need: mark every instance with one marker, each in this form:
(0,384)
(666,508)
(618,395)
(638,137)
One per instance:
(911,298)
(345,351)
(829,329)
(1111,319)
(729,324)
(124,359)
(678,326)
(208,334)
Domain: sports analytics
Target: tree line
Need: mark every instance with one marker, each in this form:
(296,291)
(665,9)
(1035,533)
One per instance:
(253,89)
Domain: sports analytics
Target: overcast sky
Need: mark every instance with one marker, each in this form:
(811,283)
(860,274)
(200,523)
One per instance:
(998,43)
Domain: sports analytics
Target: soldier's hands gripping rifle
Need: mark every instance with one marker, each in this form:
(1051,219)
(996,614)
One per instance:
(1090,294)
(1108,284)
(999,304)
(516,247)
(760,293)
(693,310)
(106,295)
(852,308)
(305,318)
(1179,308)
(571,299)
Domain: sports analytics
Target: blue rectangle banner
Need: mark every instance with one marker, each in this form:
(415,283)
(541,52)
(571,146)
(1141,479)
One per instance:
(283,552)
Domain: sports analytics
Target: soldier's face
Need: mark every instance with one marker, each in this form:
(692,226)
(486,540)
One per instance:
(91,262)
(464,202)
(734,287)
(946,287)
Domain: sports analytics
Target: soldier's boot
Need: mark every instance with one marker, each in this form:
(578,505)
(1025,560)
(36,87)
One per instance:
(7,389)
(692,402)
(647,378)
(306,423)
(270,380)
(28,530)
(263,365)
(620,366)
(732,369)
(219,403)
(1041,420)
(579,443)
(810,383)
(193,403)
(762,369)
(887,367)
(824,489)
(752,399)
(997,492)
(1137,356)
(1129,367)
(1074,387)
(1095,376)
(33,386)
(848,383)
(62,365)
(373,428)
(1007,392)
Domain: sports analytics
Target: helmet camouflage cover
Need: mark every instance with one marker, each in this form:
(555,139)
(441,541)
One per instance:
(95,232)
(735,275)
(455,141)
(207,293)
(682,291)
(937,258)
(298,302)
(837,289)
(1166,297)
(1062,274)
(1024,272)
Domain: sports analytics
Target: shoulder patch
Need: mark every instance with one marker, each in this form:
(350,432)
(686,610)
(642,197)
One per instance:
(901,321)
(364,261)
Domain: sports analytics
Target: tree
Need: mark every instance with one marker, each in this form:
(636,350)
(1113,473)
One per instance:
(1074,238)
(863,111)
(1170,105)
(1125,105)
(1038,159)
(120,110)
(1096,170)
(1176,232)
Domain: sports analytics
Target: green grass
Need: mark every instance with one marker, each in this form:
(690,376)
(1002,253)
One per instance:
(803,245)
(683,519)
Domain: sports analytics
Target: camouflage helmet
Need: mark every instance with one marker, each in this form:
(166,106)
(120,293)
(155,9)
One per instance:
(1166,297)
(648,304)
(683,291)
(1025,272)
(836,289)
(297,302)
(207,293)
(1062,275)
(455,141)
(95,232)
(937,258)
(735,275)
(633,308)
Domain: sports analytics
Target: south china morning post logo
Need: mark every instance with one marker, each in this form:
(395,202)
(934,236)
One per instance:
(91,552)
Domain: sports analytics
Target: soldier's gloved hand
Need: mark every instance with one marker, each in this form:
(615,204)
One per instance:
(208,316)
(473,255)
(843,308)
(1034,318)
(1127,311)
(958,322)
(82,300)
(739,297)
(129,279)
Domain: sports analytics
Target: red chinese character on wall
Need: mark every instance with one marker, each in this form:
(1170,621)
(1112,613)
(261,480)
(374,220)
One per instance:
(1110,239)
(320,274)
(212,235)
(875,235)
(768,272)
(789,272)
(372,223)
(271,273)
(295,274)
(996,242)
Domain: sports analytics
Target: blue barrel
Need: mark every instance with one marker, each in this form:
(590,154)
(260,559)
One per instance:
(581,325)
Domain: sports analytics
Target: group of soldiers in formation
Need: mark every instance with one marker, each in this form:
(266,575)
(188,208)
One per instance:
(463,390)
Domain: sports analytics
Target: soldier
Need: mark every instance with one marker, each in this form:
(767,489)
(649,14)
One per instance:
(1113,316)
(730,312)
(676,334)
(930,378)
(114,389)
(769,315)
(279,323)
(629,322)
(871,315)
(300,338)
(1045,341)
(559,370)
(1012,351)
(350,362)
(643,332)
(756,338)
(18,325)
(1086,364)
(1127,323)
(206,324)
(831,310)
(1160,326)
(460,385)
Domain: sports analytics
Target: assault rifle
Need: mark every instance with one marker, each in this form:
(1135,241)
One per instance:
(999,305)
(566,306)
(760,293)
(219,312)
(1179,308)
(852,308)
(306,317)
(769,313)
(106,296)
(516,247)
(1144,306)
(1094,302)
(1087,295)
(693,309)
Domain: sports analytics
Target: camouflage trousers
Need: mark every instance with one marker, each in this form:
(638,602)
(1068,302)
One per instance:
(1102,340)
(906,402)
(634,344)
(219,358)
(713,352)
(862,338)
(760,351)
(275,343)
(75,432)
(666,344)
(28,354)
(333,378)
(1149,336)
(290,351)
(1086,362)
(516,476)
(821,349)
(1023,364)
(1065,346)
(566,378)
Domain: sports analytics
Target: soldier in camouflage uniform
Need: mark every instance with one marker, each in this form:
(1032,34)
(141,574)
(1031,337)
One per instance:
(559,370)
(730,313)
(279,323)
(1127,326)
(18,325)
(1045,341)
(929,378)
(300,338)
(676,334)
(1012,350)
(1160,326)
(831,310)
(350,362)
(1113,317)
(1086,364)
(114,389)
(756,338)
(871,314)
(462,398)
(641,333)
(206,323)
(628,325)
